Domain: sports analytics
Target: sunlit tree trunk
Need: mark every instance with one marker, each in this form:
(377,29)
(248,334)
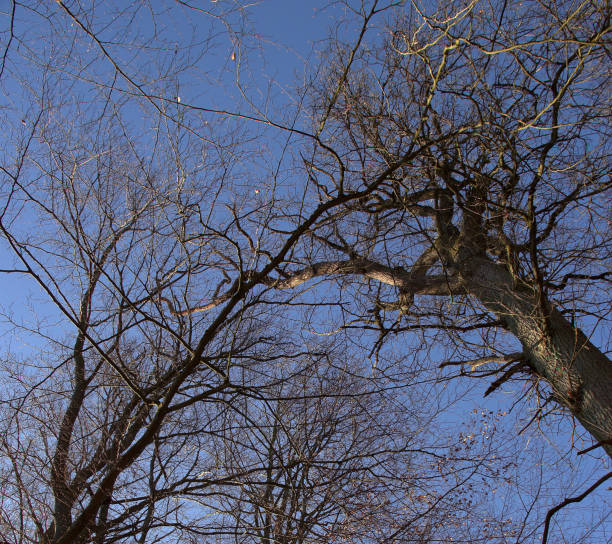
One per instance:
(579,374)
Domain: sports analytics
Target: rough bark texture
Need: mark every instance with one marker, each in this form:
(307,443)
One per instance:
(579,374)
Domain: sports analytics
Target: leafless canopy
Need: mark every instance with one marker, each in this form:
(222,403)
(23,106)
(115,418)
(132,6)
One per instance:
(255,302)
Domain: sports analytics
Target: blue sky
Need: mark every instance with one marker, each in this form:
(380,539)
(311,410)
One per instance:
(286,51)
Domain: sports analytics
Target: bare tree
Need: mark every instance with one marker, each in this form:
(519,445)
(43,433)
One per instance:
(441,189)
(343,462)
(467,174)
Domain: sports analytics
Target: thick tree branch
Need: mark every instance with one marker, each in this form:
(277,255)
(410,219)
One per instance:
(406,282)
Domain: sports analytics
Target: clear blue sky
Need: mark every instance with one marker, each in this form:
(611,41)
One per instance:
(290,36)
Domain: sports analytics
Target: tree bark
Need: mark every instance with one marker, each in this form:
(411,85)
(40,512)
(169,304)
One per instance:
(579,373)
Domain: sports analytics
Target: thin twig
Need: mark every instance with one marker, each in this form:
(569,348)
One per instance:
(570,500)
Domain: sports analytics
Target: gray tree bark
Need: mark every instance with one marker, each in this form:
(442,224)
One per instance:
(579,373)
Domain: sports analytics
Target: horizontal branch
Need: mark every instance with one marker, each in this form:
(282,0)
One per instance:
(397,277)
(212,304)
(404,281)
(498,359)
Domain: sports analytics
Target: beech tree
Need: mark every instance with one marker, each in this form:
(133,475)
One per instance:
(255,299)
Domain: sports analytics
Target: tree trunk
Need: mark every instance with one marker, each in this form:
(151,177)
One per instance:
(579,374)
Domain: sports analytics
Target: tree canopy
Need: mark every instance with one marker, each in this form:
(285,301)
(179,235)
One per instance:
(266,308)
